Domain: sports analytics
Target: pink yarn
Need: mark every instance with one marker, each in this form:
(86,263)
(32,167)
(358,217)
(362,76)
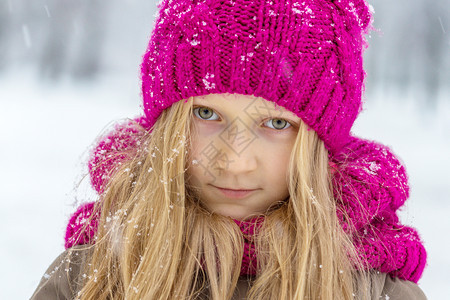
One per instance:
(304,55)
(372,185)
(113,149)
(82,226)
(392,248)
(249,229)
(370,180)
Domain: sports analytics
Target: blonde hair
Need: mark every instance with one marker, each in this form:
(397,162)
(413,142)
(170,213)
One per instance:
(155,240)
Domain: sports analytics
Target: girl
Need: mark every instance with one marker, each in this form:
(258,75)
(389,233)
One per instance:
(242,179)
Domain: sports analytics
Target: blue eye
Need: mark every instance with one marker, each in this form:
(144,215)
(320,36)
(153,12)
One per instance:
(278,124)
(205,113)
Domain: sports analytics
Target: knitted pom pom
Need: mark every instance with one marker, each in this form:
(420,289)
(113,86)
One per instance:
(368,180)
(112,149)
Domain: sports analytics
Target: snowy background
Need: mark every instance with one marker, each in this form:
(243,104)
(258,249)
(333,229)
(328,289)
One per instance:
(69,69)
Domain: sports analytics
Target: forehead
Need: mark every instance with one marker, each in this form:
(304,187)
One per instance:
(243,103)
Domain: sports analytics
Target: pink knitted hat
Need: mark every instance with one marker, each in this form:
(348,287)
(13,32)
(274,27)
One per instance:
(304,55)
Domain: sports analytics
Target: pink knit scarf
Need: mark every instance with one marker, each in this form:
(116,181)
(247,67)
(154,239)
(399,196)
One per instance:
(249,229)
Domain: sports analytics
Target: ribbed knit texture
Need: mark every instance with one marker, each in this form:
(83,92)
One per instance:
(303,55)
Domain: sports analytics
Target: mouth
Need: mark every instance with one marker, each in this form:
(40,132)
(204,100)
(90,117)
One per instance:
(235,193)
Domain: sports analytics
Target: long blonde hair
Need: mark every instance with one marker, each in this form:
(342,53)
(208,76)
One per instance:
(155,240)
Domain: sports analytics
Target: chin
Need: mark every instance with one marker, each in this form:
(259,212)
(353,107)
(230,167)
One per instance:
(236,215)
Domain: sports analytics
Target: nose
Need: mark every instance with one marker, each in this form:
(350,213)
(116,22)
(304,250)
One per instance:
(239,154)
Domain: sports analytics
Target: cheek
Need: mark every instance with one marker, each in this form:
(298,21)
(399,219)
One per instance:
(277,157)
(201,136)
(194,172)
(276,163)
(194,146)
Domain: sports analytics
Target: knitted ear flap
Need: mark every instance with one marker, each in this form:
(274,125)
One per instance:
(370,184)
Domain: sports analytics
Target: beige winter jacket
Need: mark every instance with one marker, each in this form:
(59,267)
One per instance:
(63,280)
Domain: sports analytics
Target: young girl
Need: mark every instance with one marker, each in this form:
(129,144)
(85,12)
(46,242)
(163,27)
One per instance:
(242,180)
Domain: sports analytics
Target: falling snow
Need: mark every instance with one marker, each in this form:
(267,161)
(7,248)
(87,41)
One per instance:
(86,120)
(47,11)
(59,138)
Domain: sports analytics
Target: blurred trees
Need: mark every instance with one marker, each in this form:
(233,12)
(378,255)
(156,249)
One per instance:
(73,38)
(411,51)
(83,39)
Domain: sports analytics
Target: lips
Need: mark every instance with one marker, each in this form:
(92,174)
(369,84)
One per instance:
(235,193)
(239,189)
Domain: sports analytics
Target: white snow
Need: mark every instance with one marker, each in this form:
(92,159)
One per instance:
(46,129)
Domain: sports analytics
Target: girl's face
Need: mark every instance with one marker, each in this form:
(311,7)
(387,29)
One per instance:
(241,145)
